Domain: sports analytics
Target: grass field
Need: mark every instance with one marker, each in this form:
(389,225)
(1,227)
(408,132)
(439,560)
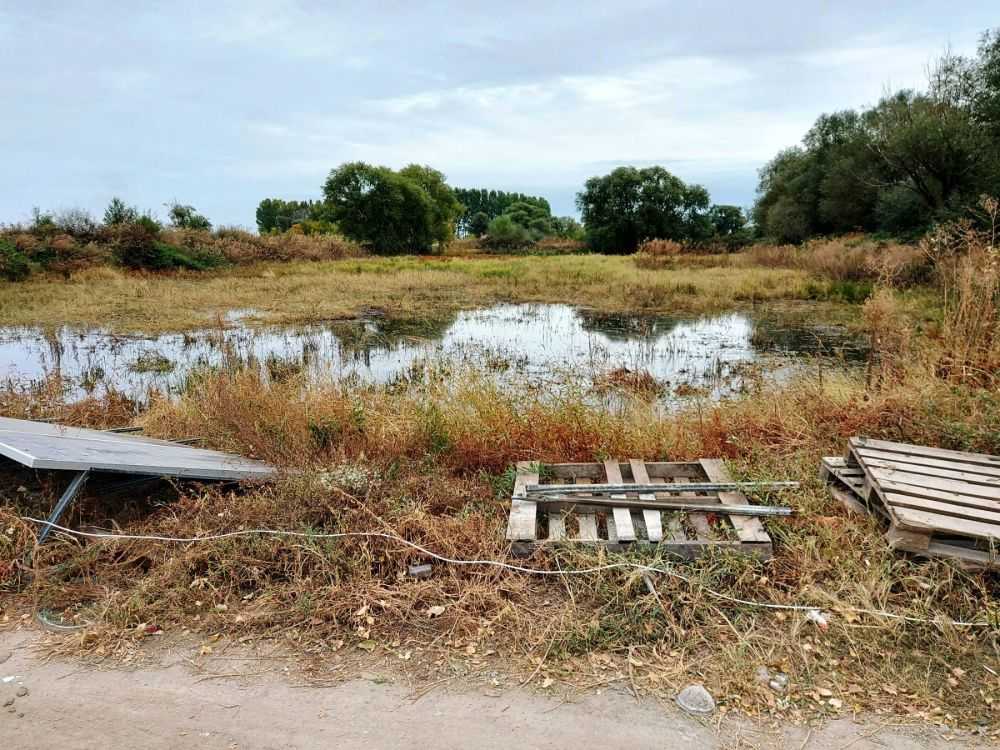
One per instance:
(430,460)
(298,292)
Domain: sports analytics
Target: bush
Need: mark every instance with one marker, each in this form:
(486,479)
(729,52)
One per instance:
(14,265)
(506,234)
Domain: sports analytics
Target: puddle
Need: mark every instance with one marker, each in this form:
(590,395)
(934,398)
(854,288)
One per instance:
(540,344)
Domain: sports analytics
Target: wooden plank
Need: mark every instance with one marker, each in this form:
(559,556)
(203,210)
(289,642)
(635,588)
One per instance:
(557,527)
(588,527)
(980,459)
(522,524)
(585,517)
(944,508)
(595,471)
(929,463)
(933,471)
(651,517)
(945,497)
(622,516)
(881,475)
(674,529)
(702,528)
(924,521)
(748,529)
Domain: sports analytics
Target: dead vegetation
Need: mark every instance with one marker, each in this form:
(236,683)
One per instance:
(430,462)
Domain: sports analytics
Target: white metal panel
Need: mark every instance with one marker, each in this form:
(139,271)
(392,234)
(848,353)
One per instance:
(39,445)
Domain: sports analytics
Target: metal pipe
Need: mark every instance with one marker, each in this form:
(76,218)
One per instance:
(668,505)
(593,489)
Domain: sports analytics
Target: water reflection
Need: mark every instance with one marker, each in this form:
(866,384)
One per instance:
(515,342)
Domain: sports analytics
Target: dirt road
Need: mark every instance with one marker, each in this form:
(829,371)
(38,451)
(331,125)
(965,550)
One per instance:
(64,705)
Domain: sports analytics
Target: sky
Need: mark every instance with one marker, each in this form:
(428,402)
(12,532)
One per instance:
(220,104)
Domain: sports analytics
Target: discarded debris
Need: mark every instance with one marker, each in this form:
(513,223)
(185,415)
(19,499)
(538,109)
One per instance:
(934,502)
(695,699)
(420,571)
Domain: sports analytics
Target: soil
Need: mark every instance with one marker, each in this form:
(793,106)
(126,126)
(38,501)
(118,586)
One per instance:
(66,704)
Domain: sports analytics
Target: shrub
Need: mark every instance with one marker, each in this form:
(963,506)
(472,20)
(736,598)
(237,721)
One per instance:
(14,265)
(506,234)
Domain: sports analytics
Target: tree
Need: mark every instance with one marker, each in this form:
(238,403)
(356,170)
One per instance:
(277,215)
(490,202)
(631,205)
(118,212)
(532,216)
(381,208)
(479,224)
(932,147)
(445,207)
(726,220)
(506,234)
(186,217)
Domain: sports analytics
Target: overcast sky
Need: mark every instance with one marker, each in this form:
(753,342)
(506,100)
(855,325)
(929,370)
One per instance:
(220,104)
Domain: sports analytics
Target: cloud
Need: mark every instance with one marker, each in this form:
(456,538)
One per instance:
(220,104)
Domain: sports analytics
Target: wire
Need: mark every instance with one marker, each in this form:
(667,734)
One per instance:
(624,565)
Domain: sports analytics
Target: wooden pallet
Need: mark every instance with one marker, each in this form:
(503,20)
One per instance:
(846,484)
(685,535)
(938,502)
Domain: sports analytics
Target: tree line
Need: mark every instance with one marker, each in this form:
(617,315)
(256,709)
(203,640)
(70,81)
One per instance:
(414,210)
(914,159)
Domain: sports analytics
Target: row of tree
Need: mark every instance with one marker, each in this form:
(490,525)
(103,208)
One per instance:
(414,210)
(913,159)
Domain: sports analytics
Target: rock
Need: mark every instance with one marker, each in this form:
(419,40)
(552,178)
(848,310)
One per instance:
(779,682)
(4,655)
(695,699)
(21,692)
(762,675)
(8,702)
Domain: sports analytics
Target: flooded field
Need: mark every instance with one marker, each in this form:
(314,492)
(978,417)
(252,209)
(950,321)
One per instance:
(536,343)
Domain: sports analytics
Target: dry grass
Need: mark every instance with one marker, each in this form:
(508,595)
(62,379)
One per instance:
(847,258)
(430,463)
(296,291)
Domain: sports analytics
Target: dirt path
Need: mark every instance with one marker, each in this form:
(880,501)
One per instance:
(66,706)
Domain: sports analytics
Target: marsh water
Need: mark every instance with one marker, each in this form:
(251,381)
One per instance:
(712,356)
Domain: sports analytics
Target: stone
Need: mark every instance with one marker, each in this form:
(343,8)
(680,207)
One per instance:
(695,699)
(21,692)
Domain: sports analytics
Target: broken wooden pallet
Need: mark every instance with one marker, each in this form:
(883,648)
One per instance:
(846,484)
(938,502)
(686,535)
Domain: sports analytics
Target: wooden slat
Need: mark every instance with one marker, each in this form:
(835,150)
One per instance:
(935,522)
(522,524)
(585,517)
(651,517)
(557,527)
(674,529)
(748,529)
(952,498)
(945,509)
(702,528)
(929,463)
(957,487)
(622,516)
(980,459)
(933,471)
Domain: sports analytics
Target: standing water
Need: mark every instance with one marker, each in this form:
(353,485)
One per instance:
(538,343)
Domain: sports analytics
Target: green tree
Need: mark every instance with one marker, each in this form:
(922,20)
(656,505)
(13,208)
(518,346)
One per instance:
(446,208)
(630,205)
(186,217)
(381,208)
(118,212)
(479,224)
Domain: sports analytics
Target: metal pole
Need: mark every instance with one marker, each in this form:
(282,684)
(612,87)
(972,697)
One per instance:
(668,505)
(67,497)
(645,489)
